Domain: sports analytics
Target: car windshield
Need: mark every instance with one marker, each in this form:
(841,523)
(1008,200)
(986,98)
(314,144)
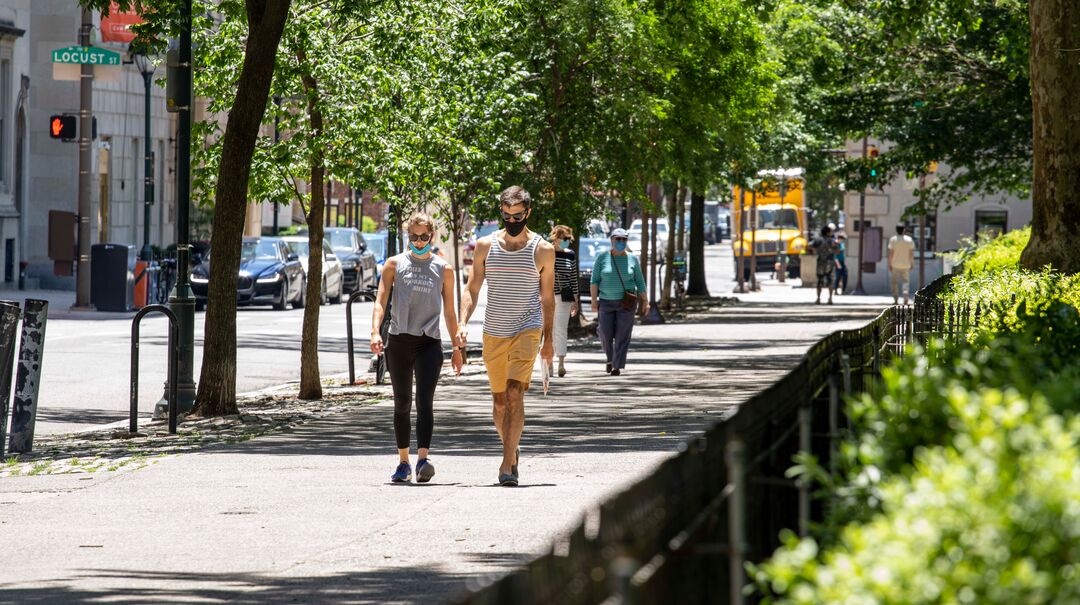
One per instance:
(785,218)
(377,245)
(591,250)
(300,248)
(342,240)
(260,249)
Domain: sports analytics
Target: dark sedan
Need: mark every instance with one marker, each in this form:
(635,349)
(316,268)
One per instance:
(357,262)
(588,250)
(270,274)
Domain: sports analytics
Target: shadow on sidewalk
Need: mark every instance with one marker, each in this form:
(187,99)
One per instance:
(392,584)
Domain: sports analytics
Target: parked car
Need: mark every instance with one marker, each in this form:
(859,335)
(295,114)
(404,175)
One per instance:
(270,274)
(333,278)
(661,237)
(357,261)
(376,243)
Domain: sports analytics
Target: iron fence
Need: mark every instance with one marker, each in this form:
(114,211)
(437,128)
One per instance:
(685,533)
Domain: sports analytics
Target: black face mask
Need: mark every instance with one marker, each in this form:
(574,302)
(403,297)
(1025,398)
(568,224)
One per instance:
(513,229)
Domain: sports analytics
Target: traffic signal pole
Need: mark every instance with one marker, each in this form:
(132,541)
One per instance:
(862,227)
(86,129)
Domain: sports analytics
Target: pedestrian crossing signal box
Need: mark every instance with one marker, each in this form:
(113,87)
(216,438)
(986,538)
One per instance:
(63,127)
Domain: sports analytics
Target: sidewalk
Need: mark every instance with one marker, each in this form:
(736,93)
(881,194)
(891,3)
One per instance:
(308,514)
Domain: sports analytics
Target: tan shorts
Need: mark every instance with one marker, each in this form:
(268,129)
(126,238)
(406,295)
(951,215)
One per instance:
(511,358)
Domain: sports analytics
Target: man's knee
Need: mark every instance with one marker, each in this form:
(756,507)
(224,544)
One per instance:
(515,391)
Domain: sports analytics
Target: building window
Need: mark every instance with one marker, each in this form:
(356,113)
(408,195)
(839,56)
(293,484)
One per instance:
(991,223)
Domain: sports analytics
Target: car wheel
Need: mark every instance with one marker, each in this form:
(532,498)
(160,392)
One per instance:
(200,305)
(336,300)
(283,298)
(302,298)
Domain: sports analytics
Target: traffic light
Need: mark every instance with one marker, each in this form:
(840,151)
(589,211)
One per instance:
(63,127)
(872,153)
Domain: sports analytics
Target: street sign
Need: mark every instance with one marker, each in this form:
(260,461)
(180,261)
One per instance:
(85,55)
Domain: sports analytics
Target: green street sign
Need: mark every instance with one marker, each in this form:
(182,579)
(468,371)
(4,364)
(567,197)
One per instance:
(85,55)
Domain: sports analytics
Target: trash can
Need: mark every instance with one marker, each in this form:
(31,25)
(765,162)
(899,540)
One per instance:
(112,276)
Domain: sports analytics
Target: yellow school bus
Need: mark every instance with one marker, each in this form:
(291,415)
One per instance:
(768,222)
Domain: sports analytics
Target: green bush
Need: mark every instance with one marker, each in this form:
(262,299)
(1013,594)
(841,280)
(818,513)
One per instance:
(991,518)
(989,255)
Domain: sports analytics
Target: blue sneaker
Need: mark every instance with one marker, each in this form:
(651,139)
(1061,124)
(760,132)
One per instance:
(425,470)
(403,474)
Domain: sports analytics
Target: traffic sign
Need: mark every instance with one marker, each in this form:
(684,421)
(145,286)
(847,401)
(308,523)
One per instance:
(85,55)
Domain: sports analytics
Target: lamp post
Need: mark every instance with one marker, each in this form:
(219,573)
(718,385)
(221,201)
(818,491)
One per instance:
(277,138)
(145,65)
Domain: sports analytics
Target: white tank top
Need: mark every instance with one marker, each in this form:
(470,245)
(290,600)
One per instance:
(513,297)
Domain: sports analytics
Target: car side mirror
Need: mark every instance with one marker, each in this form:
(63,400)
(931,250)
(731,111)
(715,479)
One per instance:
(292,257)
(330,256)
(363,247)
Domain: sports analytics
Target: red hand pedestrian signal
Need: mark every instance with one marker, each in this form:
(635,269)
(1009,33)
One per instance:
(62,127)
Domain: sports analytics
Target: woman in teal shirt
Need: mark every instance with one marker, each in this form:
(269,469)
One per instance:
(615,274)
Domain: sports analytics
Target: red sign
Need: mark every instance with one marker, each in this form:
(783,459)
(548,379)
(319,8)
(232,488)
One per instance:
(117,26)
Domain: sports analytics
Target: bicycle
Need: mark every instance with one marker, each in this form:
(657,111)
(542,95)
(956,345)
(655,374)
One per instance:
(164,278)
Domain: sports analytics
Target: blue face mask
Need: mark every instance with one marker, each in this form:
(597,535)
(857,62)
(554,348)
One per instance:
(620,245)
(564,244)
(419,251)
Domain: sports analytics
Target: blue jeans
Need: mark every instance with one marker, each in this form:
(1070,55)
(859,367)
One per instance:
(841,278)
(614,329)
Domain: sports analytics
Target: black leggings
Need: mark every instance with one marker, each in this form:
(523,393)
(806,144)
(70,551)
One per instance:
(406,354)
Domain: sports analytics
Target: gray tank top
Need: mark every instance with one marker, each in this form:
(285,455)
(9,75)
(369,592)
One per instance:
(417,300)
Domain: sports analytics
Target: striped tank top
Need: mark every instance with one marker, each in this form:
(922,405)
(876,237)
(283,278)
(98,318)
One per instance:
(513,296)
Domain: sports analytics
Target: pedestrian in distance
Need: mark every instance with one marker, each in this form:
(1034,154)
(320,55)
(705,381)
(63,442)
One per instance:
(566,291)
(618,291)
(420,287)
(901,260)
(824,247)
(840,285)
(519,267)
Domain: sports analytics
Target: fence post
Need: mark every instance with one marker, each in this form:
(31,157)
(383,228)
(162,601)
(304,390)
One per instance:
(803,483)
(9,323)
(845,366)
(28,378)
(736,472)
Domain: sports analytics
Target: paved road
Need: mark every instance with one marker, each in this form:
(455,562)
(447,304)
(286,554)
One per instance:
(309,515)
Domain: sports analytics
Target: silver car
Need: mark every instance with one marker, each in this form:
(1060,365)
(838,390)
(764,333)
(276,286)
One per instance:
(333,277)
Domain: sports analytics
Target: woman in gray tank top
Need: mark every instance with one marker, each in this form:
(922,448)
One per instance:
(419,285)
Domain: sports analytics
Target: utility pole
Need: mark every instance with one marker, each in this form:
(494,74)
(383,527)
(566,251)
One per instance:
(146,67)
(753,238)
(86,132)
(862,227)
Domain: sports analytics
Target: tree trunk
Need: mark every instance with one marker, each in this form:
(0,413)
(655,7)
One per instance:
(1055,88)
(310,377)
(217,381)
(696,279)
(673,221)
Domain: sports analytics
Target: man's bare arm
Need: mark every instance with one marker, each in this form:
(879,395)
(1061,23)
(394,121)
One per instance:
(476,280)
(545,253)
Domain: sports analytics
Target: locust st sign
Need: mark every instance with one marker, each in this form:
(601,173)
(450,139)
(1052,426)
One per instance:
(85,55)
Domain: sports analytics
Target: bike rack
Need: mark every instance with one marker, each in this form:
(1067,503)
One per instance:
(369,294)
(174,339)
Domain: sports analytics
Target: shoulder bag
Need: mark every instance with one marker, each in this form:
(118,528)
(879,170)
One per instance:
(630,299)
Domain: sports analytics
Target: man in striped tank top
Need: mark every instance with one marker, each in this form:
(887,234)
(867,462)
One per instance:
(519,267)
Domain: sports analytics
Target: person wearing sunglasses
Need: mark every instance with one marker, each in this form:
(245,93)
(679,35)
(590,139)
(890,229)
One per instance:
(419,285)
(566,287)
(519,267)
(618,290)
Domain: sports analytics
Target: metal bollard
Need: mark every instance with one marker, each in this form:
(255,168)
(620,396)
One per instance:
(28,378)
(9,323)
(174,354)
